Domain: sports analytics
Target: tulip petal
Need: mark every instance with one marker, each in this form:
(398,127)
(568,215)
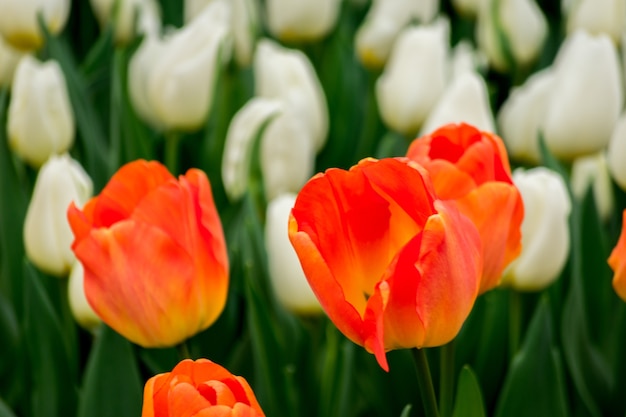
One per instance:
(617,262)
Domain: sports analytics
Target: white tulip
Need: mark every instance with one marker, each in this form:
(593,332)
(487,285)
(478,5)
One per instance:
(146,13)
(81,310)
(9,58)
(301,20)
(580,115)
(40,118)
(288,280)
(384,22)
(592,172)
(616,153)
(521,116)
(171,81)
(518,23)
(19,23)
(545,230)
(287,74)
(414,78)
(465,100)
(597,16)
(47,234)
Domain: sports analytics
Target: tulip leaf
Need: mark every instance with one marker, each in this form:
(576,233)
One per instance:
(112,385)
(52,390)
(10,361)
(534,385)
(5,411)
(392,144)
(406,411)
(469,398)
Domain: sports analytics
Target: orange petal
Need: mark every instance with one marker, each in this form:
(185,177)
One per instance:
(186,401)
(617,262)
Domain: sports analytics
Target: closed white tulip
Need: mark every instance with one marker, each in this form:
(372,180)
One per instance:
(81,310)
(385,20)
(9,58)
(464,100)
(586,97)
(19,24)
(519,23)
(146,13)
(171,81)
(545,230)
(288,75)
(592,172)
(414,78)
(288,280)
(597,16)
(301,20)
(40,118)
(616,153)
(47,234)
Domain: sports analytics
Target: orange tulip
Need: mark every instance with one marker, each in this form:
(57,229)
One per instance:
(156,268)
(199,388)
(472,168)
(392,266)
(617,262)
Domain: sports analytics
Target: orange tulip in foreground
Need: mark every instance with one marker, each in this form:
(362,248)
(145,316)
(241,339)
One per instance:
(392,266)
(199,388)
(156,268)
(472,168)
(617,262)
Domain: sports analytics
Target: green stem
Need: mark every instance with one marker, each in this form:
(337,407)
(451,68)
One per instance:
(183,350)
(172,140)
(515,322)
(446,381)
(425,383)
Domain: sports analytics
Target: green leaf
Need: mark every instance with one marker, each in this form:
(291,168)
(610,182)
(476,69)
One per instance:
(5,411)
(469,398)
(112,384)
(534,385)
(10,375)
(406,411)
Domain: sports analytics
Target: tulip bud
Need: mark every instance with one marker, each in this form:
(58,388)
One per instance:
(9,58)
(301,20)
(288,280)
(617,261)
(414,78)
(465,100)
(580,116)
(545,230)
(511,32)
(146,13)
(81,310)
(40,94)
(19,23)
(592,172)
(287,74)
(616,153)
(597,16)
(384,21)
(47,234)
(171,81)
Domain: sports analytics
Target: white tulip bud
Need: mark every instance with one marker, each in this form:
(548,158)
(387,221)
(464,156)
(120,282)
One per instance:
(384,22)
(301,20)
(19,23)
(592,172)
(40,118)
(288,280)
(545,230)
(81,310)
(580,116)
(146,13)
(9,58)
(465,100)
(597,16)
(616,153)
(414,78)
(47,234)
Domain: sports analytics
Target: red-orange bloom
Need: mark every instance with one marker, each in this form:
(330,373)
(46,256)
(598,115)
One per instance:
(199,388)
(472,168)
(617,262)
(156,267)
(392,266)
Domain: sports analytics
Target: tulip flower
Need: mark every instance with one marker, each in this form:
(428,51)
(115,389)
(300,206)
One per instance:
(545,230)
(617,262)
(384,21)
(597,16)
(580,117)
(301,20)
(592,172)
(199,388)
(47,234)
(81,310)
(19,23)
(510,32)
(616,153)
(288,279)
(156,268)
(39,93)
(9,58)
(414,78)
(471,167)
(171,81)
(146,12)
(392,266)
